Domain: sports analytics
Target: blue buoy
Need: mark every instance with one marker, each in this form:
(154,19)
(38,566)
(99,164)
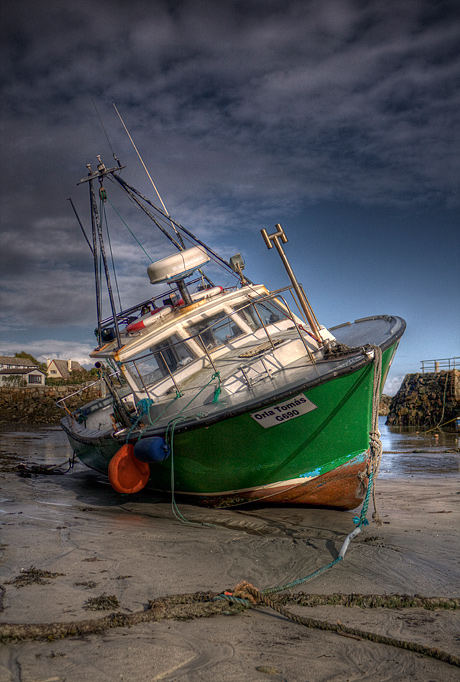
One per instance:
(154,449)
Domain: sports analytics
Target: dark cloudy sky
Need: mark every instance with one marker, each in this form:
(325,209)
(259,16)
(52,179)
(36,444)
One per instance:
(337,118)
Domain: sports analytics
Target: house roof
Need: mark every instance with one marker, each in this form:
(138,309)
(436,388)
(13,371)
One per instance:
(20,370)
(62,367)
(21,362)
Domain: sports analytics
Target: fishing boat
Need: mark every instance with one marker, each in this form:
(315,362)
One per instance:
(227,395)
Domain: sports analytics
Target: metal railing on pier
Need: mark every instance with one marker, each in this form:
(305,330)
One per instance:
(445,364)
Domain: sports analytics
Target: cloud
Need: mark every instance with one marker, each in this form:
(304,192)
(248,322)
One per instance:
(393,384)
(243,112)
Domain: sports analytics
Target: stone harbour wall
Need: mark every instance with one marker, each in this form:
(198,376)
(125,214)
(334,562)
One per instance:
(384,406)
(426,400)
(37,404)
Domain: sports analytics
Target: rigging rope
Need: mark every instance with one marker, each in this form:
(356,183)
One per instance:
(126,225)
(131,192)
(214,256)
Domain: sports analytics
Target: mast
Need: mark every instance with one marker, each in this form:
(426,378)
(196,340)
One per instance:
(95,260)
(96,222)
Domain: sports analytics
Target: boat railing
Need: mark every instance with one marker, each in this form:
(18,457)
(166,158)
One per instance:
(440,364)
(61,403)
(159,355)
(156,301)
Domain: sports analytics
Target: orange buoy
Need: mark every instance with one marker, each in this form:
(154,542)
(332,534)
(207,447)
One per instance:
(126,473)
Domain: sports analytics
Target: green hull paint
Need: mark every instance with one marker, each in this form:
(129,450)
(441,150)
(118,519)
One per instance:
(238,453)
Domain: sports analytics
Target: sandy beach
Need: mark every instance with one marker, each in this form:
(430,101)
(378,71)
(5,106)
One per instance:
(99,543)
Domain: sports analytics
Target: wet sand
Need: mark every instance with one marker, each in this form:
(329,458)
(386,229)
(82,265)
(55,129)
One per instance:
(134,549)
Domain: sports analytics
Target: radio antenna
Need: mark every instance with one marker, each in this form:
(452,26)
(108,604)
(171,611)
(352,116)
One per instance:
(179,236)
(105,133)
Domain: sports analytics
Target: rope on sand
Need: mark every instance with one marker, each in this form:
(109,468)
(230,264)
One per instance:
(253,597)
(207,604)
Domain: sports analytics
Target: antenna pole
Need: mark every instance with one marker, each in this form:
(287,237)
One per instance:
(276,238)
(148,174)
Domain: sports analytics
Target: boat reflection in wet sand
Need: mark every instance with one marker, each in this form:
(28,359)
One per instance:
(226,395)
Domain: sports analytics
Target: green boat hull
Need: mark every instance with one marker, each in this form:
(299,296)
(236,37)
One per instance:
(317,458)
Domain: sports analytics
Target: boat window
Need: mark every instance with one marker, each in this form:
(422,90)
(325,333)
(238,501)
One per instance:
(144,370)
(216,330)
(152,366)
(268,311)
(174,356)
(248,314)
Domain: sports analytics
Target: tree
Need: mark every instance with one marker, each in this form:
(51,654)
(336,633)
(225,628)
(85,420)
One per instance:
(26,356)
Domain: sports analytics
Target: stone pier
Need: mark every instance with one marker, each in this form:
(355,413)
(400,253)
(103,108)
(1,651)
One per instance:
(426,400)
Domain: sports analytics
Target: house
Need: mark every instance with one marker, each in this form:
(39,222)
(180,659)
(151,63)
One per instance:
(62,369)
(20,372)
(16,363)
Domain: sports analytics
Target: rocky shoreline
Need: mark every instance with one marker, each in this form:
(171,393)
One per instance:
(426,400)
(37,405)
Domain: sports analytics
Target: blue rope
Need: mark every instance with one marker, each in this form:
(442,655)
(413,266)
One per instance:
(300,581)
(218,389)
(361,520)
(143,409)
(169,437)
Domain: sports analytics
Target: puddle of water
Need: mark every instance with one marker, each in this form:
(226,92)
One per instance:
(40,444)
(409,452)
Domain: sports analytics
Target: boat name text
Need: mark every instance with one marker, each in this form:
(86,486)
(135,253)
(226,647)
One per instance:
(283,412)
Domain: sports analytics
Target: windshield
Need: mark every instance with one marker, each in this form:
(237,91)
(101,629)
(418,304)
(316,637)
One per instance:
(269,314)
(161,359)
(216,330)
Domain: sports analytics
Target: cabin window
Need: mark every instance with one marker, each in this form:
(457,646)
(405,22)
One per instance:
(174,354)
(269,312)
(171,354)
(144,370)
(216,330)
(248,314)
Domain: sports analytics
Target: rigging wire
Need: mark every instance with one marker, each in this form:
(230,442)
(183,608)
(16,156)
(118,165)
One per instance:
(130,230)
(97,280)
(80,223)
(214,256)
(149,214)
(98,225)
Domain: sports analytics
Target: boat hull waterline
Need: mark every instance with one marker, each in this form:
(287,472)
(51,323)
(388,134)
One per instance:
(315,458)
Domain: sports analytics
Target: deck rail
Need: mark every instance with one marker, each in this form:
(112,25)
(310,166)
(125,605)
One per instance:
(440,364)
(61,402)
